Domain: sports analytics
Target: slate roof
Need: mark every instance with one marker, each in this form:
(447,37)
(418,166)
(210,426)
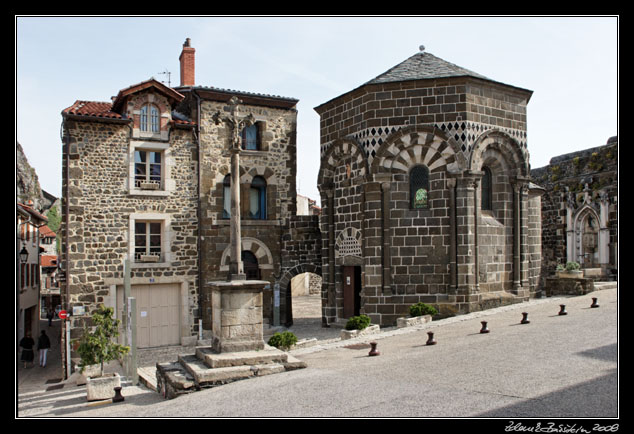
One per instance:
(422,66)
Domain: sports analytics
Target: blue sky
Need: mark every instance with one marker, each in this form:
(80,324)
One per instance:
(570,64)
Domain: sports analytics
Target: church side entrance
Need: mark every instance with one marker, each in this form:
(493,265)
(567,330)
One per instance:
(351,290)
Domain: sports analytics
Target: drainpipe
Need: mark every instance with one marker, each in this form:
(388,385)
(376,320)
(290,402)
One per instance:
(65,324)
(199,215)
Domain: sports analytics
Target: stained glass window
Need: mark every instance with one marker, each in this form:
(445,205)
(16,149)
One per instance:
(419,187)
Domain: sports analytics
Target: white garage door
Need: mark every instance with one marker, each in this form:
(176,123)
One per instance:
(157,314)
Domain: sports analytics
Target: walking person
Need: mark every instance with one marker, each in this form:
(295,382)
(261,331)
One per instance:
(27,343)
(43,344)
(49,316)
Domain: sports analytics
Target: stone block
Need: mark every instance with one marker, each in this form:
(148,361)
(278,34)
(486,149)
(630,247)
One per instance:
(369,330)
(412,321)
(101,388)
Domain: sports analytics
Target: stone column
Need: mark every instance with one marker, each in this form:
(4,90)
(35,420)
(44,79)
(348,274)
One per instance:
(236,268)
(451,185)
(516,237)
(386,239)
(604,232)
(465,244)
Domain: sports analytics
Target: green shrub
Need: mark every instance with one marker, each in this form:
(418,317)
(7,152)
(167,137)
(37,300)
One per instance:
(573,266)
(99,346)
(420,309)
(283,340)
(358,322)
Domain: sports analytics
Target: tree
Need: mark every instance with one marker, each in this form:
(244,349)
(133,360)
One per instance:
(98,346)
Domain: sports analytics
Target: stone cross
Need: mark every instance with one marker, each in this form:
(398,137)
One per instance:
(236,268)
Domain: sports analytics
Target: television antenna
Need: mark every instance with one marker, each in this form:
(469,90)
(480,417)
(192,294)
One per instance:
(169,75)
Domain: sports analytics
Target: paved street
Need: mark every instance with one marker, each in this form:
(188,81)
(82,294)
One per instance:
(555,367)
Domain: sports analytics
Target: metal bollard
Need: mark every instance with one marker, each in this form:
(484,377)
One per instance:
(484,328)
(373,351)
(430,339)
(562,309)
(117,395)
(594,302)
(525,318)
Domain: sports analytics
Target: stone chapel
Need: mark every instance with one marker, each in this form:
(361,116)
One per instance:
(426,194)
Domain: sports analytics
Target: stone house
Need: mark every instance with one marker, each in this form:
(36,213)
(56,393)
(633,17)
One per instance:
(426,194)
(146,179)
(29,222)
(580,210)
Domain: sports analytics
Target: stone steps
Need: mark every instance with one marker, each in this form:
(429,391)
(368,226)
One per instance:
(207,368)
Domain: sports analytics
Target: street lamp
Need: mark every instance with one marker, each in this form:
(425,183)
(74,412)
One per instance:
(24,255)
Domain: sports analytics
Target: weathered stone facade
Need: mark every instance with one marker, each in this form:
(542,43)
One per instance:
(103,204)
(580,209)
(274,161)
(456,126)
(144,180)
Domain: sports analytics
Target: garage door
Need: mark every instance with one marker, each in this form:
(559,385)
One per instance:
(157,314)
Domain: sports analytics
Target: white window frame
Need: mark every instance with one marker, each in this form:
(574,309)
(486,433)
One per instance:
(166,186)
(166,236)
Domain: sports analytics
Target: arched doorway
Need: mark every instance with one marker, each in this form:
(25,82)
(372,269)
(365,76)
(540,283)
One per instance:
(250,264)
(309,306)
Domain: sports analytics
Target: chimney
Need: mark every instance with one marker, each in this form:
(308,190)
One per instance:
(187,64)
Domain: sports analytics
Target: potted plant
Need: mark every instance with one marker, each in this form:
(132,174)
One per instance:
(420,313)
(359,326)
(97,347)
(283,341)
(572,270)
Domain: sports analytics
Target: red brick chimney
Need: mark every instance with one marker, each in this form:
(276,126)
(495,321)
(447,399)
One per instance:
(187,64)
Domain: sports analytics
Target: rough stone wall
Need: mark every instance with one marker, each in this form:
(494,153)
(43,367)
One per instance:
(96,229)
(463,108)
(407,253)
(300,253)
(276,163)
(597,167)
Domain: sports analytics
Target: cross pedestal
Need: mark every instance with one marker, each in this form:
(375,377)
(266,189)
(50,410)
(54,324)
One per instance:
(237,315)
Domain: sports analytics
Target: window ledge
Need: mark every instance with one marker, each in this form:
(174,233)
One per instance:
(227,222)
(156,193)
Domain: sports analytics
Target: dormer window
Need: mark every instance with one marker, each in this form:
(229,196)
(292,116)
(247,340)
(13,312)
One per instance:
(149,121)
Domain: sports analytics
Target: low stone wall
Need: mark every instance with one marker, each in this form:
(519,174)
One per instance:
(369,330)
(412,321)
(568,286)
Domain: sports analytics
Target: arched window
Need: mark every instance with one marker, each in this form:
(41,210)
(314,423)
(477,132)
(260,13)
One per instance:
(250,138)
(250,264)
(149,118)
(257,199)
(226,197)
(486,192)
(419,187)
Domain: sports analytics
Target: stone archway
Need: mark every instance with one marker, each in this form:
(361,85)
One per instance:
(286,299)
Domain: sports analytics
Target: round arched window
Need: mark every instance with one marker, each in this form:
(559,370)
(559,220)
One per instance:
(419,187)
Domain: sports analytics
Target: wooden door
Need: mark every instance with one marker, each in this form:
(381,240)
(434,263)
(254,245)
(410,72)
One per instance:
(351,291)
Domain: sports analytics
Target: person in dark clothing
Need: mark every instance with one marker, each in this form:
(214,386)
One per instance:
(27,343)
(43,344)
(49,316)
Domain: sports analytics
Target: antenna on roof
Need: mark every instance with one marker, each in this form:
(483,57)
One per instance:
(169,75)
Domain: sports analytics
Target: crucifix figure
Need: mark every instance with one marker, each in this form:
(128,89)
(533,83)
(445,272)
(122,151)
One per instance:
(236,268)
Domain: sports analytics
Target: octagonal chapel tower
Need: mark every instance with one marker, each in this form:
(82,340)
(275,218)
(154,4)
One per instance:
(426,194)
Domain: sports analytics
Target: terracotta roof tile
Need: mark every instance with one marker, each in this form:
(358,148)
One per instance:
(48,260)
(92,108)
